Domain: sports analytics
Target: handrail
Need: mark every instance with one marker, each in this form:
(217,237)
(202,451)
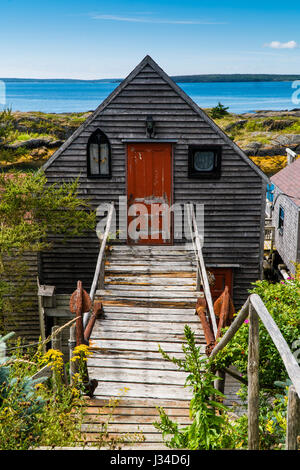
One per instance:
(99,264)
(101,252)
(201,266)
(255,308)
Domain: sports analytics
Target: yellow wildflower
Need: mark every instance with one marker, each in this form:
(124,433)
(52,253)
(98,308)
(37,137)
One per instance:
(270,426)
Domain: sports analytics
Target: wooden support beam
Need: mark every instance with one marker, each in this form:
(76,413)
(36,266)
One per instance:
(56,342)
(72,344)
(253,380)
(293,420)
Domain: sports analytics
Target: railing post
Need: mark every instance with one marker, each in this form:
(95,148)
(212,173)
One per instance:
(253,380)
(56,342)
(293,420)
(72,344)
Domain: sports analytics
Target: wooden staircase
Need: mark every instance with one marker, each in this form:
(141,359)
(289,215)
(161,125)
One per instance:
(148,297)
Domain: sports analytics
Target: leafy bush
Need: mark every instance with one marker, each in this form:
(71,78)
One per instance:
(272,418)
(30,210)
(6,124)
(210,429)
(283,302)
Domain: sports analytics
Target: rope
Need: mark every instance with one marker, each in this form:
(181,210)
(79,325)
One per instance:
(56,332)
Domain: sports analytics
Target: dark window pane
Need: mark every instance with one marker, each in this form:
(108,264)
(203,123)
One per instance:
(94,159)
(204,160)
(104,159)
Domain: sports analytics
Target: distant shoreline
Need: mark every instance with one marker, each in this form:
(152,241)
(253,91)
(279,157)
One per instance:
(203,78)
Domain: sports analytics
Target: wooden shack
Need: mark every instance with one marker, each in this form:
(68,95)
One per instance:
(148,139)
(285,211)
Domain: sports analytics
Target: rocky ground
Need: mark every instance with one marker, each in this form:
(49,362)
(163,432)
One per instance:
(264,133)
(29,139)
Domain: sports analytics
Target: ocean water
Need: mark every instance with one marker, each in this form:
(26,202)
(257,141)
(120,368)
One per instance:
(58,97)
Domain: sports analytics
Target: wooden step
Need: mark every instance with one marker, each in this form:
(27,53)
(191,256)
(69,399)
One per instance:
(149,293)
(146,269)
(138,390)
(145,280)
(172,330)
(177,316)
(159,289)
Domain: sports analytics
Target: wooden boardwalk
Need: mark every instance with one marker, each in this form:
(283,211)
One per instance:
(148,297)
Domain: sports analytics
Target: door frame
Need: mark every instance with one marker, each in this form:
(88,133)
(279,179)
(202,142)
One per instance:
(171,142)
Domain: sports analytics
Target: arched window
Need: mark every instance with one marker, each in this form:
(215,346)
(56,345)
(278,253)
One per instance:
(98,156)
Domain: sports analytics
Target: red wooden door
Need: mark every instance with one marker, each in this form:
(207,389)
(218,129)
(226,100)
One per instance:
(149,193)
(223,277)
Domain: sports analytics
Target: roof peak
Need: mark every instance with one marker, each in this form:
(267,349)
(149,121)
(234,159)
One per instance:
(148,60)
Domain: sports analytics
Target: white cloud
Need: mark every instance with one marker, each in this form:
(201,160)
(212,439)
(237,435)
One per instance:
(282,45)
(150,20)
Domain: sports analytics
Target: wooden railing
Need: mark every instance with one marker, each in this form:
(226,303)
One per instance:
(201,269)
(255,309)
(98,279)
(99,271)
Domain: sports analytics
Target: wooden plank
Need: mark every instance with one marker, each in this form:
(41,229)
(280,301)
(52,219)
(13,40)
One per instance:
(154,437)
(150,280)
(151,262)
(142,376)
(136,412)
(120,363)
(143,336)
(136,420)
(150,311)
(151,328)
(149,293)
(293,420)
(134,345)
(179,318)
(143,391)
(147,302)
(151,288)
(130,355)
(253,380)
(140,402)
(150,269)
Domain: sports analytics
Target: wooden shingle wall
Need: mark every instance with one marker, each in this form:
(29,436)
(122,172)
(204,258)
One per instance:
(234,204)
(24,319)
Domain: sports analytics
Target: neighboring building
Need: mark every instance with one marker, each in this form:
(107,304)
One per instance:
(285,213)
(149,141)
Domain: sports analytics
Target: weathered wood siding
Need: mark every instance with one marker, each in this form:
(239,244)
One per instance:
(24,320)
(233,204)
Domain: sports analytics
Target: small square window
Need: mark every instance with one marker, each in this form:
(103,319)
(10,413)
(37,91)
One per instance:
(204,161)
(281,220)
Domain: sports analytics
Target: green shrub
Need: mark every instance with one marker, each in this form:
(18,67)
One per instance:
(6,124)
(210,428)
(283,302)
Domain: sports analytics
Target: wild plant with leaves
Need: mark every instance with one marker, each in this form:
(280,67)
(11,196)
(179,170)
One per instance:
(31,210)
(210,427)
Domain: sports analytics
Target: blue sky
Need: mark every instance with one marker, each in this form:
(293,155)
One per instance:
(101,39)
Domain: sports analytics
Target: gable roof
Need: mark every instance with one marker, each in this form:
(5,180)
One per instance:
(287,181)
(149,61)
